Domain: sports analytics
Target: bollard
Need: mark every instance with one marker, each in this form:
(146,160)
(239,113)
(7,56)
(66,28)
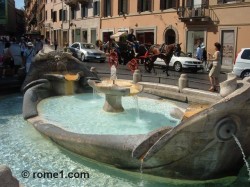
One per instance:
(183,82)
(137,76)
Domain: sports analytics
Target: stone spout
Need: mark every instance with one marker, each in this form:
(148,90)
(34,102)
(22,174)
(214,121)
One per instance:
(210,132)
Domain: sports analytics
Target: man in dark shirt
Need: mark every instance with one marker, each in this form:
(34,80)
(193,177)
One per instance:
(131,39)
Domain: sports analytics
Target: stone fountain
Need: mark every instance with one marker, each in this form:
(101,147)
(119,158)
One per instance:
(202,146)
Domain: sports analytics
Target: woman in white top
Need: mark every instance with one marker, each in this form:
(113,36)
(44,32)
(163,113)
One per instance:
(215,71)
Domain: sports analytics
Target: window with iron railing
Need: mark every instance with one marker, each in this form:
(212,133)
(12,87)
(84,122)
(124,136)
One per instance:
(166,4)
(144,5)
(122,7)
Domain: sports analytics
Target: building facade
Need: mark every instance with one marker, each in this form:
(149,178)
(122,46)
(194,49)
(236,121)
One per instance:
(154,21)
(7,18)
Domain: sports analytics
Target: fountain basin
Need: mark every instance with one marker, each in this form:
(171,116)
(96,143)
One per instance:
(202,146)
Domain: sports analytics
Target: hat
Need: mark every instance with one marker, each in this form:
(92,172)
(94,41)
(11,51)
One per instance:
(29,44)
(203,46)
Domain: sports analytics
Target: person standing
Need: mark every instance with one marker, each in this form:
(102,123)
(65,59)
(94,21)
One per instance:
(131,39)
(215,71)
(38,45)
(8,60)
(55,44)
(22,45)
(29,55)
(199,52)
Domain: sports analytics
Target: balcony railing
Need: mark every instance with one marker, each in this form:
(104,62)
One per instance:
(71,3)
(202,14)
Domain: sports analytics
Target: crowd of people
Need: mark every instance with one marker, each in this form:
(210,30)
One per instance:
(28,49)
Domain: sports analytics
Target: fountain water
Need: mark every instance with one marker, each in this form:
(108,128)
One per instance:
(243,154)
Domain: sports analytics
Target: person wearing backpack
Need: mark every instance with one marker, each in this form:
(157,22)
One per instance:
(29,55)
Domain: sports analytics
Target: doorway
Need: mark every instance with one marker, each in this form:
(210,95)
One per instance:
(170,36)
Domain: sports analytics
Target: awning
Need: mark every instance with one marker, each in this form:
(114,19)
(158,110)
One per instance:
(118,34)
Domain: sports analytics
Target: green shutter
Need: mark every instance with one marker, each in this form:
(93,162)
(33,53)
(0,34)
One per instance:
(139,8)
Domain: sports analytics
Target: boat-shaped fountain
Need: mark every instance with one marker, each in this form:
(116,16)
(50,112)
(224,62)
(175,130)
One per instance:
(201,146)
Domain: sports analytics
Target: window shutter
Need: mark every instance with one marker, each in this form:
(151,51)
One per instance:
(105,8)
(86,11)
(98,8)
(125,6)
(189,3)
(162,4)
(150,5)
(205,3)
(139,9)
(119,6)
(174,4)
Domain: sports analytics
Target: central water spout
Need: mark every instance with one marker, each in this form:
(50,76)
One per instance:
(113,74)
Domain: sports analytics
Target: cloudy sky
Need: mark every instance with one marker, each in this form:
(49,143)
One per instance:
(19,3)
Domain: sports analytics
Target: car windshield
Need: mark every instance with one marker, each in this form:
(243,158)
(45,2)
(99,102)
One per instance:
(88,46)
(182,54)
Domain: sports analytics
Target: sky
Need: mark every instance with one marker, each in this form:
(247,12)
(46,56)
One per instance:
(19,4)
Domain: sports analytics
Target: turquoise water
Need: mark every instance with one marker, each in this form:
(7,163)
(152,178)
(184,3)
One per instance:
(23,148)
(83,113)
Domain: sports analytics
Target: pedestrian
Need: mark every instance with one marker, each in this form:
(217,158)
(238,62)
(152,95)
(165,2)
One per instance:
(8,60)
(22,46)
(38,45)
(55,44)
(216,67)
(199,52)
(29,55)
(204,57)
(131,39)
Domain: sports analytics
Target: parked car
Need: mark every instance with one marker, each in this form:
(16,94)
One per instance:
(182,62)
(87,51)
(242,63)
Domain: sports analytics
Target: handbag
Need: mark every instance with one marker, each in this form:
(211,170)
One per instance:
(210,65)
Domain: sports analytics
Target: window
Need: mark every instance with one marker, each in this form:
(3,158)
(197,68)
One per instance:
(84,10)
(122,7)
(51,14)
(96,8)
(166,4)
(246,54)
(107,8)
(144,5)
(46,15)
(60,15)
(55,16)
(64,18)
(73,13)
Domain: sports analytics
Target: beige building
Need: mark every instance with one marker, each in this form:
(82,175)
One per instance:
(72,20)
(182,21)
(154,21)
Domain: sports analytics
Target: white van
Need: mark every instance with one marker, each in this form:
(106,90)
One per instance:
(242,63)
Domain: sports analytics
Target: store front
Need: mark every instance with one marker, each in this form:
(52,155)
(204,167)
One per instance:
(193,38)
